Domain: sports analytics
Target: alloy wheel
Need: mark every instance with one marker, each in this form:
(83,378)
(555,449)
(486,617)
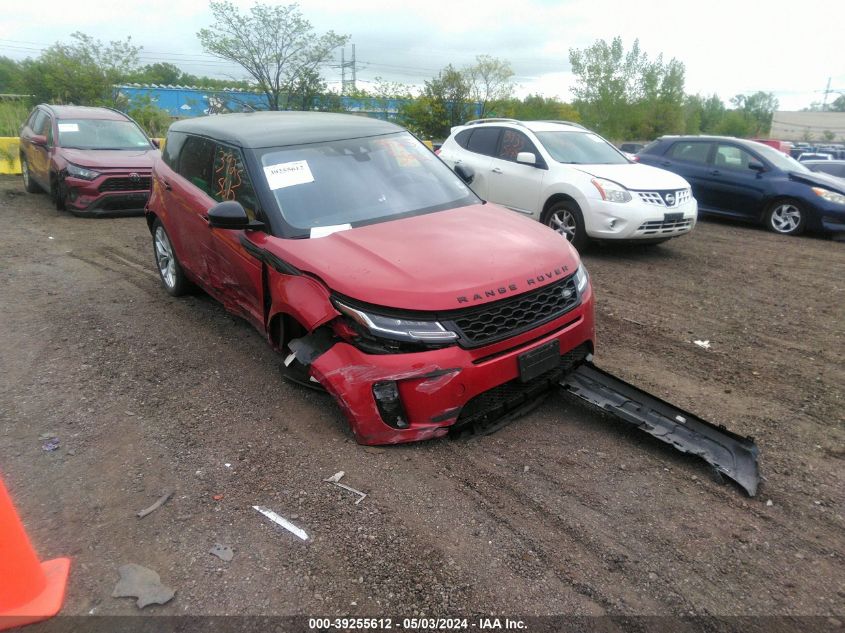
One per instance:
(563,222)
(786,218)
(164,258)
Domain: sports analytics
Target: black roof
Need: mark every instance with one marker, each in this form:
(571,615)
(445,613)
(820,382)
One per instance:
(277,129)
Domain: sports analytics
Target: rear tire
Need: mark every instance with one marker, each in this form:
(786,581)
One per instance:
(786,217)
(169,270)
(28,183)
(565,217)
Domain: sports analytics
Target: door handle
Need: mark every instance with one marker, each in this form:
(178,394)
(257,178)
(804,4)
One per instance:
(715,172)
(166,184)
(496,170)
(665,163)
(205,219)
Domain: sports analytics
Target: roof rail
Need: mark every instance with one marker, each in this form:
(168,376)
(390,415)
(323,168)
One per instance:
(560,122)
(492,120)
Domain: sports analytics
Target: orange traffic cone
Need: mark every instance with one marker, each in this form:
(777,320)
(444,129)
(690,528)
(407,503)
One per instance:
(29,591)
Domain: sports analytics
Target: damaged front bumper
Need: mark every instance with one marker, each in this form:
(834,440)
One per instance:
(730,454)
(422,394)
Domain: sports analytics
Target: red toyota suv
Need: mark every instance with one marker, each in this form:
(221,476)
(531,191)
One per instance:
(371,266)
(90,160)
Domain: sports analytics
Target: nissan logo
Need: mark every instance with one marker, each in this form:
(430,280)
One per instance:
(669,198)
(135,177)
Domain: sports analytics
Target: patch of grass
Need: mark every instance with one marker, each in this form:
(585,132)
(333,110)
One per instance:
(13,113)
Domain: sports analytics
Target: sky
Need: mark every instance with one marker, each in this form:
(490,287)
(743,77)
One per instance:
(728,48)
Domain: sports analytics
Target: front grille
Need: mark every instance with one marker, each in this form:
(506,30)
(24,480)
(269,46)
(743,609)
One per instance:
(658,198)
(126,184)
(660,227)
(509,317)
(491,406)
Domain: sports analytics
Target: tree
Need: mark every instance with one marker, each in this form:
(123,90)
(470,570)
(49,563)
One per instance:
(11,76)
(623,94)
(489,80)
(444,103)
(759,109)
(162,73)
(538,108)
(838,104)
(149,116)
(828,136)
(275,45)
(81,72)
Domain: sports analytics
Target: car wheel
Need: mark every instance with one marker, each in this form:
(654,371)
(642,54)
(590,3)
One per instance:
(29,184)
(57,192)
(786,217)
(565,218)
(169,269)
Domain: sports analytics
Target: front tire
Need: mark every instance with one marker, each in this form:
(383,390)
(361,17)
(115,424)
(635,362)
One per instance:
(58,193)
(565,217)
(28,183)
(169,270)
(786,217)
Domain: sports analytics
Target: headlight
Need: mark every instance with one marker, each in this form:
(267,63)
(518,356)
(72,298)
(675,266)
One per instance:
(611,191)
(581,279)
(399,329)
(81,172)
(830,196)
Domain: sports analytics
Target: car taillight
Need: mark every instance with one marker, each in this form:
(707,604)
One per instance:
(437,152)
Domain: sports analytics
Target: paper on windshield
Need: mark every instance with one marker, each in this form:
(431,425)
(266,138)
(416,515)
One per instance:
(323,231)
(288,174)
(68,127)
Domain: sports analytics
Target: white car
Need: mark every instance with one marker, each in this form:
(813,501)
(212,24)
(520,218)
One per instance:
(570,179)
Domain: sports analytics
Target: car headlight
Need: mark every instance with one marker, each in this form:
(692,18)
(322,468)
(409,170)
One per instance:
(830,196)
(611,191)
(581,279)
(399,329)
(81,172)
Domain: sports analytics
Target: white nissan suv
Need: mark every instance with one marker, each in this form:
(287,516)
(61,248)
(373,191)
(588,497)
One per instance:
(570,179)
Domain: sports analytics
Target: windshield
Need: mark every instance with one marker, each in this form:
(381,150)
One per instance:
(341,184)
(580,148)
(779,159)
(101,134)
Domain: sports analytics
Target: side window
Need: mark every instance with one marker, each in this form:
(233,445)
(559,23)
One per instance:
(690,152)
(39,124)
(732,157)
(462,138)
(195,162)
(231,180)
(484,141)
(172,146)
(514,142)
(30,122)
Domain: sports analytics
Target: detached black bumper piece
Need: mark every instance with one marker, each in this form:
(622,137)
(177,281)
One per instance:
(730,454)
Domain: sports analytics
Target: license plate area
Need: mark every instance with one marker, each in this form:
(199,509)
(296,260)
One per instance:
(673,217)
(539,360)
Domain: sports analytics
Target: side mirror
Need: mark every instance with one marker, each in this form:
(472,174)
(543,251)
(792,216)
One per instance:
(526,158)
(38,139)
(230,214)
(465,173)
(156,143)
(755,166)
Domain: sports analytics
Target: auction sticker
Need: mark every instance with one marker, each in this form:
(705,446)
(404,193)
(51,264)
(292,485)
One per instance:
(288,174)
(69,127)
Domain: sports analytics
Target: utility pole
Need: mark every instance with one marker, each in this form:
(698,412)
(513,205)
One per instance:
(826,92)
(345,83)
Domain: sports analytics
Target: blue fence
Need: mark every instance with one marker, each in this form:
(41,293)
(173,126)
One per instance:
(190,101)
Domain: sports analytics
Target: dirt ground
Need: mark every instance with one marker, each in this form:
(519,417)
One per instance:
(561,512)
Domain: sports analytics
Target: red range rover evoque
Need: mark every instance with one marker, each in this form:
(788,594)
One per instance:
(371,267)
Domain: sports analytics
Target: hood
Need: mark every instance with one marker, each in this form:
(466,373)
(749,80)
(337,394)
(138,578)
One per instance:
(819,179)
(112,159)
(636,176)
(438,261)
